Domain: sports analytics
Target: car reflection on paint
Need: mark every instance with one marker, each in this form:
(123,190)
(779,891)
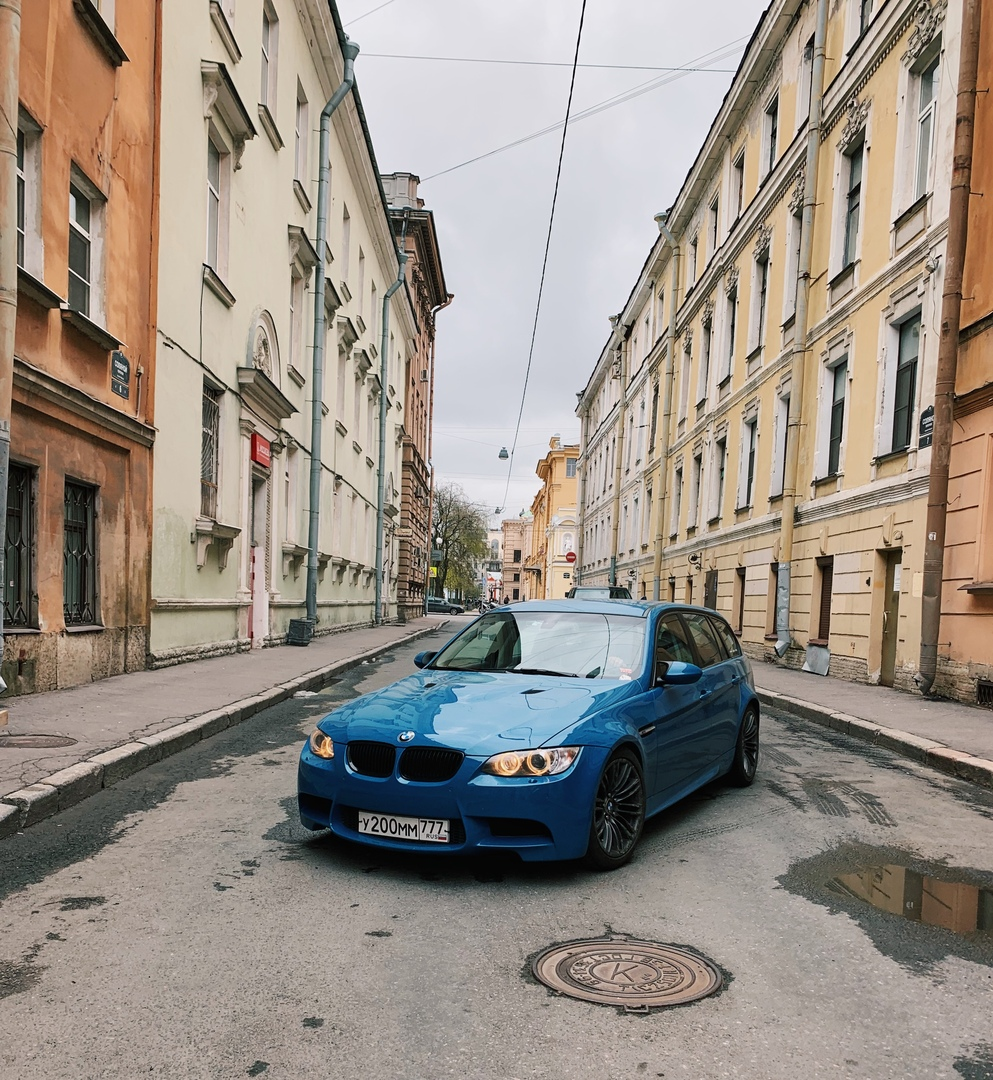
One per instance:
(552,729)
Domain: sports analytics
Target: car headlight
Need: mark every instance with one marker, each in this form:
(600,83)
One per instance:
(516,763)
(321,745)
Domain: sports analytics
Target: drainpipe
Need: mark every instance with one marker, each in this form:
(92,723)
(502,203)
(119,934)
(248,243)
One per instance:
(349,50)
(619,459)
(10,52)
(384,370)
(800,347)
(951,311)
(577,570)
(668,379)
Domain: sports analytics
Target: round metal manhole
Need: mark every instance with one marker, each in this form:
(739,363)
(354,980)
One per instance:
(34,742)
(637,975)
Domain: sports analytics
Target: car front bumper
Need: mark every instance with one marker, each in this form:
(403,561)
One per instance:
(540,818)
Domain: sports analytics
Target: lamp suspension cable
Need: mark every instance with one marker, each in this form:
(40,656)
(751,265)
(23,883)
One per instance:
(548,244)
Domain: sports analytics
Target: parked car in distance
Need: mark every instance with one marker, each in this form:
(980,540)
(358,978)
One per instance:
(599,592)
(445,607)
(551,729)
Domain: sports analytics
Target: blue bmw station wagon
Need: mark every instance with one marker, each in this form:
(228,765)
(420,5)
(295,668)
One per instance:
(552,729)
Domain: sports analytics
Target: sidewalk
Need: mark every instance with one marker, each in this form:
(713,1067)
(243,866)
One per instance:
(944,735)
(123,724)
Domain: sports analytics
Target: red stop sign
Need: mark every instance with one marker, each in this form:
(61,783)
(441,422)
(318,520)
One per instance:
(570,556)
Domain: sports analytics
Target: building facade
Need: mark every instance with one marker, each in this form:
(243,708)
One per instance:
(425,281)
(789,303)
(76,600)
(965,640)
(246,84)
(516,548)
(553,531)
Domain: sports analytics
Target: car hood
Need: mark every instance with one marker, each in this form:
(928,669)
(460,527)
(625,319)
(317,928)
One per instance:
(479,713)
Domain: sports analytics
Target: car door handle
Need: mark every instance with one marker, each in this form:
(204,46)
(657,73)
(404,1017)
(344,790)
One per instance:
(646,730)
(705,693)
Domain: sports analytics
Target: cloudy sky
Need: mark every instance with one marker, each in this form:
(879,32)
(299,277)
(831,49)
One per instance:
(622,164)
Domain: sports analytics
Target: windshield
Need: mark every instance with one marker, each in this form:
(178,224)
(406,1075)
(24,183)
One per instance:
(578,644)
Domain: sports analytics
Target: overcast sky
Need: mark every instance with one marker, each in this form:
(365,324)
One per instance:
(621,166)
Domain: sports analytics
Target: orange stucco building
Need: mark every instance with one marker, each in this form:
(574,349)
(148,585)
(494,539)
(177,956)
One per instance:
(965,641)
(78,516)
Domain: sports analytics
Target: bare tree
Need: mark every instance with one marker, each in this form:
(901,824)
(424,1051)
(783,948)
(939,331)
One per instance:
(459,531)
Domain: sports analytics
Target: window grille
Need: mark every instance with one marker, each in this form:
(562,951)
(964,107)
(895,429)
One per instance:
(79,555)
(17,598)
(209,451)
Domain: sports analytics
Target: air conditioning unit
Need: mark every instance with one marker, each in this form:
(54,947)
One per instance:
(424,374)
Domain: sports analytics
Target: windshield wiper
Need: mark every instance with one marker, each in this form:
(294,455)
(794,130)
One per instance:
(541,671)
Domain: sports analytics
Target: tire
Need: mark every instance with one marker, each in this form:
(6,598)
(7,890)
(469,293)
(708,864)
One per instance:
(746,750)
(618,812)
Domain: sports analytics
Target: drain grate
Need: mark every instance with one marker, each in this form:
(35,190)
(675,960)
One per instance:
(637,975)
(34,742)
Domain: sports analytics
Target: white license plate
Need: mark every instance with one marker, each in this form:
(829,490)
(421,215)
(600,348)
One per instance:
(433,830)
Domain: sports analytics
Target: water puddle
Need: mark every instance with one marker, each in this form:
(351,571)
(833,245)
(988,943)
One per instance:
(916,911)
(958,906)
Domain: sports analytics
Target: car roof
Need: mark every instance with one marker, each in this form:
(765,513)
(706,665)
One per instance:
(638,608)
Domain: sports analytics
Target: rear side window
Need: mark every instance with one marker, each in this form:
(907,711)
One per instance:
(704,637)
(727,636)
(671,642)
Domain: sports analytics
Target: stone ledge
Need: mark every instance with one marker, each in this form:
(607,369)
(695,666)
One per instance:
(123,761)
(77,782)
(10,820)
(35,802)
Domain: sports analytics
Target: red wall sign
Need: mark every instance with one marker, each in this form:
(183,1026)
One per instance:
(261,450)
(570,556)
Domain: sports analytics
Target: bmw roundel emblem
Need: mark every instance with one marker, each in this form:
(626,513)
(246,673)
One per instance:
(405,736)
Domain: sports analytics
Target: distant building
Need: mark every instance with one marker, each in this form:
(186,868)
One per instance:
(553,535)
(425,284)
(516,547)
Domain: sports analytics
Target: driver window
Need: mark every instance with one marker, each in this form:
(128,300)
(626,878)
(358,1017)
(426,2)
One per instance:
(671,642)
(707,645)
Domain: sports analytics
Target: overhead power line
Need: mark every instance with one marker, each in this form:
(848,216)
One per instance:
(608,103)
(548,244)
(371,11)
(536,63)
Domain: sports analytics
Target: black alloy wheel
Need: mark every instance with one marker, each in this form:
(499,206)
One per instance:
(618,812)
(746,751)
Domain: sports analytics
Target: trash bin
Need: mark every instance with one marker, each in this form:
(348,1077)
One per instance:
(300,632)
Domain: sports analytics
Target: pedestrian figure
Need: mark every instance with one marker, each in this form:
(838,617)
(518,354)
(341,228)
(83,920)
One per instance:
(506,599)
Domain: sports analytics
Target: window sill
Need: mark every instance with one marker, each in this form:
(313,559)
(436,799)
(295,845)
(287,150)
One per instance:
(224,31)
(346,292)
(911,223)
(742,509)
(714,520)
(356,447)
(295,374)
(269,126)
(820,642)
(370,462)
(724,383)
(301,195)
(100,31)
(89,329)
(85,628)
(340,428)
(30,286)
(890,455)
(217,287)
(842,283)
(774,499)
(22,630)
(978,587)
(207,532)
(823,481)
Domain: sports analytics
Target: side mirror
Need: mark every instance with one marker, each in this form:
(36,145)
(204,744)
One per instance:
(422,659)
(675,673)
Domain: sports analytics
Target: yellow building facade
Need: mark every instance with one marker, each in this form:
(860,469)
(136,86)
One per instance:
(779,348)
(553,532)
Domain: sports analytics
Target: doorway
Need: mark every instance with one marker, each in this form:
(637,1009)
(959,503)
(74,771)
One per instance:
(258,616)
(891,615)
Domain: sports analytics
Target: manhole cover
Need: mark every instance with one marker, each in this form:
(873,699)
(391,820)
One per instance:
(34,742)
(637,975)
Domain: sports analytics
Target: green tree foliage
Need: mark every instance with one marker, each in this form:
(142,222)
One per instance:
(460,535)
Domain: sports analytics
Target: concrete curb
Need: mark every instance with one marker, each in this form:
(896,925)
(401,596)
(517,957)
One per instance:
(927,752)
(23,808)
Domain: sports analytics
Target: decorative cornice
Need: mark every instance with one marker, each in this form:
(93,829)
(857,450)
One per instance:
(928,17)
(708,311)
(799,190)
(858,111)
(688,339)
(221,97)
(731,281)
(763,238)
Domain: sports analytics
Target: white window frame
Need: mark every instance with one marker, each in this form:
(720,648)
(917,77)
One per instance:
(298,333)
(696,482)
(749,448)
(758,322)
(95,236)
(903,309)
(677,499)
(269,56)
(804,86)
(770,134)
(839,352)
(718,475)
(928,114)
(29,195)
(791,282)
(730,333)
(685,373)
(714,224)
(346,242)
(706,350)
(223,195)
(738,182)
(301,138)
(780,433)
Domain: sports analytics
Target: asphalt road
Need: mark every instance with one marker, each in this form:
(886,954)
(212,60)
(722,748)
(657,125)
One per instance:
(183,925)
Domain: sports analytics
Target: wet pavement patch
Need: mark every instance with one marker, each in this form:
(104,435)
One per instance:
(633,975)
(15,977)
(915,911)
(978,1065)
(81,903)
(34,742)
